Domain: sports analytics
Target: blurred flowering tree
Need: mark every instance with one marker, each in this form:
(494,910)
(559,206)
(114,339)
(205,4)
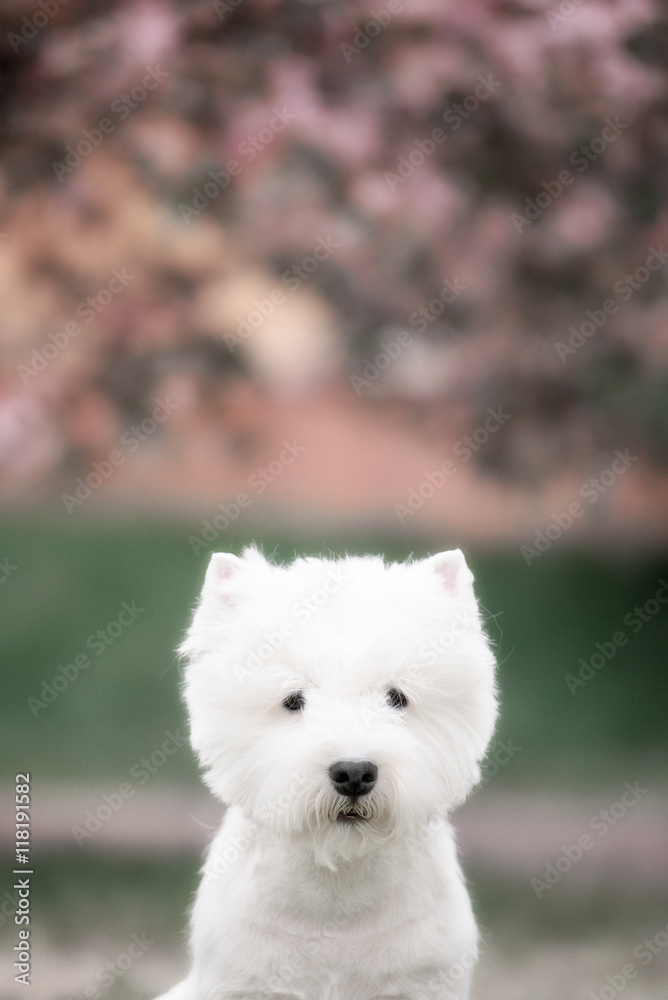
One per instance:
(423,208)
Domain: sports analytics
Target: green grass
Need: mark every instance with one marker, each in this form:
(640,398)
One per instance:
(72,578)
(139,892)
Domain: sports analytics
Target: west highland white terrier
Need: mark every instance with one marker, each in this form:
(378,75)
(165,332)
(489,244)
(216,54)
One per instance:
(340,708)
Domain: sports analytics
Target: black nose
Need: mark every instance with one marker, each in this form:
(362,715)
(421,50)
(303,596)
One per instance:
(353,777)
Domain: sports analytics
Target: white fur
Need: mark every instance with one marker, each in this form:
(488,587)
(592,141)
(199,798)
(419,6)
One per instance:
(294,903)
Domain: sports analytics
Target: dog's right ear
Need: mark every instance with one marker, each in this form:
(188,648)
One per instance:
(222,566)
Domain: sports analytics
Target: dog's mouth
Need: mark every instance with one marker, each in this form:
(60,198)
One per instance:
(351,814)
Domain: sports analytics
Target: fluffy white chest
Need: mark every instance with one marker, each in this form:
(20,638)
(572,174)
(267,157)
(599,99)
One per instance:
(270,924)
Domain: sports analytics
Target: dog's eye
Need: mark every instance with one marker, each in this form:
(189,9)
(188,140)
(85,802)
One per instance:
(397,698)
(294,702)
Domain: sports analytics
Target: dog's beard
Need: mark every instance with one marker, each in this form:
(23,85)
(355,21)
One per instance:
(327,808)
(338,828)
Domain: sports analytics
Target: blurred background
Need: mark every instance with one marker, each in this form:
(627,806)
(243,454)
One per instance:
(336,277)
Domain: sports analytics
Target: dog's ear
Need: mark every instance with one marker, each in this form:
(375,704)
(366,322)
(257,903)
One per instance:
(222,566)
(455,574)
(215,604)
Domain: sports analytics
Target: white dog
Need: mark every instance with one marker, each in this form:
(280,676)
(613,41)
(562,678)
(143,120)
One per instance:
(340,709)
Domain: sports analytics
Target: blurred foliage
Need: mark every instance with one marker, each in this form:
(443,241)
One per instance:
(357,103)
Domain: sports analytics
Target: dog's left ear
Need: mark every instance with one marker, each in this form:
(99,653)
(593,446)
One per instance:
(455,574)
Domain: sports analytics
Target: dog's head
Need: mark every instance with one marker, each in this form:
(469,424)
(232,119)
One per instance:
(340,702)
